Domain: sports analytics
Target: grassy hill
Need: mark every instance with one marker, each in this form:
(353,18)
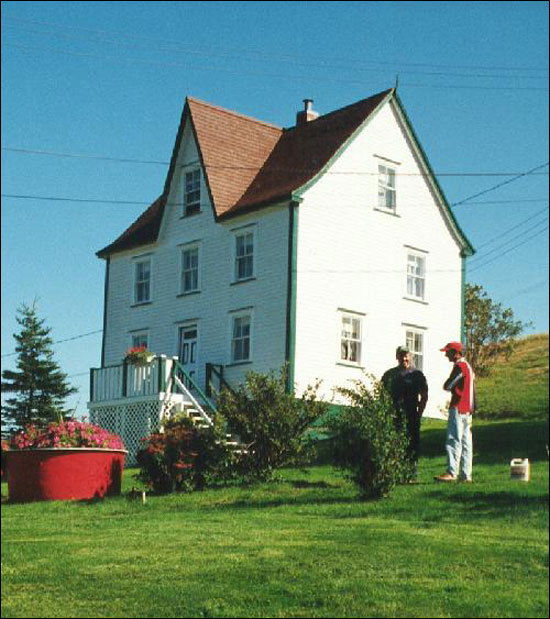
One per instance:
(517,387)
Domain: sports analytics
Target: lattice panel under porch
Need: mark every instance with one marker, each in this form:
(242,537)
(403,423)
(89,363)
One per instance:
(132,421)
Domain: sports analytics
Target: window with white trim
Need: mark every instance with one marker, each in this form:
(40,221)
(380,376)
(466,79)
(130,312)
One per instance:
(142,281)
(416,275)
(241,338)
(192,192)
(140,339)
(415,343)
(244,255)
(386,188)
(350,338)
(190,269)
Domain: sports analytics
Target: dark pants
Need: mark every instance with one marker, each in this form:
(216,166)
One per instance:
(413,431)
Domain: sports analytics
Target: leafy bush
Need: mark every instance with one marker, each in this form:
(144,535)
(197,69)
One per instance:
(271,423)
(186,457)
(366,441)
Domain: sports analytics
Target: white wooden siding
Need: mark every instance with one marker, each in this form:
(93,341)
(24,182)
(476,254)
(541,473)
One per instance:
(209,309)
(352,256)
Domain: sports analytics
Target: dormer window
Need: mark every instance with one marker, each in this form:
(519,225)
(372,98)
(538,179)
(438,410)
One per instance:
(192,193)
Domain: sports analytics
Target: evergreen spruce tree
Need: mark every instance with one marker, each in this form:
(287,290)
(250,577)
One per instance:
(39,386)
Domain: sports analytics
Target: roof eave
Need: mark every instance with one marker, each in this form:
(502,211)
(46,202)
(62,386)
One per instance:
(467,249)
(299,191)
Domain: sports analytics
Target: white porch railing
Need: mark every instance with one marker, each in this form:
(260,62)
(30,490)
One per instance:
(129,381)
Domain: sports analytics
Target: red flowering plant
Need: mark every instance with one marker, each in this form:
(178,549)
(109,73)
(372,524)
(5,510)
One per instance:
(186,457)
(65,434)
(138,354)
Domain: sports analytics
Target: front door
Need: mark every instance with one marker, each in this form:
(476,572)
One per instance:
(188,350)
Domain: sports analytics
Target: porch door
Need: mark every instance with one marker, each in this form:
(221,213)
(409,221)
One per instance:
(188,350)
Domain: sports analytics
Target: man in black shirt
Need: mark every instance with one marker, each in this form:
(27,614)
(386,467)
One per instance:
(409,390)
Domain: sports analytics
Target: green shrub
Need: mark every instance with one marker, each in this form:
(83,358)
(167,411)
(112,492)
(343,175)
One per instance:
(270,422)
(186,457)
(366,441)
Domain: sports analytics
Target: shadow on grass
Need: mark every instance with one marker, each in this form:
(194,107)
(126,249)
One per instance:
(491,504)
(496,442)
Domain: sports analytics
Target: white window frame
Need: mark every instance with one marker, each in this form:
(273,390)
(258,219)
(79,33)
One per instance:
(416,273)
(139,338)
(387,186)
(241,315)
(347,338)
(413,335)
(190,247)
(192,180)
(142,282)
(249,257)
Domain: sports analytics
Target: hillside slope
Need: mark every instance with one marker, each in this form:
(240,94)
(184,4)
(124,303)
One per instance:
(517,387)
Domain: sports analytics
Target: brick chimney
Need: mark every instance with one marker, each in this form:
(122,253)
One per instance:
(307,114)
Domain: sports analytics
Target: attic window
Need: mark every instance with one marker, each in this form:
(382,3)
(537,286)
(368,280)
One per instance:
(386,188)
(192,193)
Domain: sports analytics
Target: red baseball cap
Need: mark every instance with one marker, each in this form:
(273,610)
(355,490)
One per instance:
(452,346)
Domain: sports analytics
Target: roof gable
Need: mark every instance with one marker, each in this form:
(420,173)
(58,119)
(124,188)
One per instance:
(249,163)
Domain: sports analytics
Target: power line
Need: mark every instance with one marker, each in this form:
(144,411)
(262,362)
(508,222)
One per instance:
(261,53)
(513,228)
(340,205)
(479,266)
(55,199)
(69,339)
(263,74)
(503,245)
(28,151)
(253,168)
(286,59)
(511,180)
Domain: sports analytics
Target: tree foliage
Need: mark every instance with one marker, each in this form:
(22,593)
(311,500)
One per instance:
(38,385)
(367,443)
(490,329)
(270,422)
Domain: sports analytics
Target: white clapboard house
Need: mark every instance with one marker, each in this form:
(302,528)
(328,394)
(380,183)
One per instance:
(323,245)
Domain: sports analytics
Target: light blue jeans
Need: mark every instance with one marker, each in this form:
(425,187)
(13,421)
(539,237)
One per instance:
(459,444)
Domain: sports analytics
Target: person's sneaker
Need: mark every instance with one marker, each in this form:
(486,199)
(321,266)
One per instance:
(445,477)
(467,481)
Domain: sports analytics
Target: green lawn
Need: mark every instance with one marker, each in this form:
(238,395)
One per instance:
(301,547)
(517,386)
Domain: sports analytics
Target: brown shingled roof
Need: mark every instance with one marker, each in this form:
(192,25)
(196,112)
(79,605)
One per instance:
(249,163)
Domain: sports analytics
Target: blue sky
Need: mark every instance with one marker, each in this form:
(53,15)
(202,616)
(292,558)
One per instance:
(107,81)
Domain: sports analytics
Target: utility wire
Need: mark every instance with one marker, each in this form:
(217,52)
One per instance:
(513,228)
(54,199)
(29,151)
(339,205)
(479,266)
(69,339)
(289,60)
(506,243)
(258,73)
(260,53)
(511,180)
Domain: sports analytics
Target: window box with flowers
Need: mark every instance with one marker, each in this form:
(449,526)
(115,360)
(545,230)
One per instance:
(138,355)
(67,460)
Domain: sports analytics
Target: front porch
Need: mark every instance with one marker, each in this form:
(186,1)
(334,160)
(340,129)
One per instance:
(132,400)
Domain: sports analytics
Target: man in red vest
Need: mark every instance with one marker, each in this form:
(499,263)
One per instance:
(459,426)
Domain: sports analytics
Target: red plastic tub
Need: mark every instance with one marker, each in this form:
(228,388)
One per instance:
(64,474)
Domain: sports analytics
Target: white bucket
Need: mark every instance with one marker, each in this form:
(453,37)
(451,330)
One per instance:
(519,469)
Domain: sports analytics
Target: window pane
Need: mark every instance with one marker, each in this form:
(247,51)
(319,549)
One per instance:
(350,342)
(139,340)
